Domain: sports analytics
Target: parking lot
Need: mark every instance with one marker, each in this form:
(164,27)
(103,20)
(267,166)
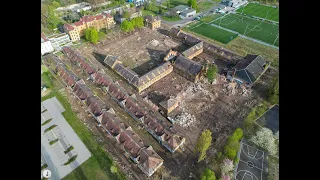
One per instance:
(56,140)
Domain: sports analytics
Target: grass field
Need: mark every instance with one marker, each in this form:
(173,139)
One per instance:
(203,6)
(261,11)
(98,165)
(264,31)
(213,32)
(244,46)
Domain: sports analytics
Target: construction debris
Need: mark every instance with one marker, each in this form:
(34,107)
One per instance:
(185,119)
(232,88)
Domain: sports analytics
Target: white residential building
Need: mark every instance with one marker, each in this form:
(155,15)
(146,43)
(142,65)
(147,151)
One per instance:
(46,45)
(59,40)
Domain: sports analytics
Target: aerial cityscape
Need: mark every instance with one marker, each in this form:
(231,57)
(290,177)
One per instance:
(159,90)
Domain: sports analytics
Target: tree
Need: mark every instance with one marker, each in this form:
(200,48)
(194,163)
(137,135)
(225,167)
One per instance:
(211,73)
(126,26)
(193,4)
(227,167)
(273,91)
(137,22)
(126,14)
(55,4)
(230,151)
(203,144)
(113,169)
(237,135)
(52,20)
(131,4)
(208,175)
(92,35)
(265,139)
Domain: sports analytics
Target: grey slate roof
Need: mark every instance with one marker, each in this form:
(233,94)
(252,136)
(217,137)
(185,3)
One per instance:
(126,73)
(193,49)
(186,65)
(155,72)
(110,60)
(250,68)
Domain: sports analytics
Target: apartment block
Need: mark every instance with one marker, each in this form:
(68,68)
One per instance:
(76,30)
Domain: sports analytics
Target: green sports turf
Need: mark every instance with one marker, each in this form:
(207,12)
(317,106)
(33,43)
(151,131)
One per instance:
(261,11)
(263,31)
(213,32)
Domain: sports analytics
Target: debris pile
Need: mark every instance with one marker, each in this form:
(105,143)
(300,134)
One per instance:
(229,88)
(185,119)
(232,88)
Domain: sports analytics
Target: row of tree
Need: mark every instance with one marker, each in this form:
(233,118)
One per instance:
(130,25)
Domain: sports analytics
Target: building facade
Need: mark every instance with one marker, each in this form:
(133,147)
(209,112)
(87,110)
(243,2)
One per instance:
(152,22)
(46,46)
(76,30)
(59,40)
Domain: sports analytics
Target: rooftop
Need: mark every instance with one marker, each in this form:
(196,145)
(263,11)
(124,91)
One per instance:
(186,65)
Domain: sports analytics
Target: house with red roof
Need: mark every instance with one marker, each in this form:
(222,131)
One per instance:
(76,30)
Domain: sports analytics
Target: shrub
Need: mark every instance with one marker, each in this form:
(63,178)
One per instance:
(71,160)
(113,169)
(46,122)
(54,141)
(208,175)
(237,135)
(211,73)
(69,149)
(49,128)
(44,166)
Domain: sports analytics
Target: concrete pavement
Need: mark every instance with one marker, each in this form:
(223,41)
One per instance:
(53,154)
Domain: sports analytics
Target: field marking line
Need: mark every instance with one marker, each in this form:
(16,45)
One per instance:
(276,39)
(253,165)
(197,25)
(248,151)
(246,171)
(259,23)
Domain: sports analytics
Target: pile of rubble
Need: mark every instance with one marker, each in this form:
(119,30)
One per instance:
(197,89)
(185,119)
(232,88)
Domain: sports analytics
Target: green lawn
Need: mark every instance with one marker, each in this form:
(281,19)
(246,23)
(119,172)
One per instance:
(44,68)
(98,165)
(203,6)
(46,78)
(174,18)
(210,18)
(212,32)
(264,31)
(261,11)
(244,46)
(147,12)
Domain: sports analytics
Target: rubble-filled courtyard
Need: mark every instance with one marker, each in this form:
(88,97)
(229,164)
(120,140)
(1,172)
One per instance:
(220,106)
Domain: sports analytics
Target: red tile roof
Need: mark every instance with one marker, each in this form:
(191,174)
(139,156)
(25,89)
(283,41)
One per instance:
(79,23)
(108,16)
(100,16)
(68,27)
(87,18)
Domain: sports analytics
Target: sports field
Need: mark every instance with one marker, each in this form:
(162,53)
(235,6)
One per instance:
(261,11)
(213,32)
(263,31)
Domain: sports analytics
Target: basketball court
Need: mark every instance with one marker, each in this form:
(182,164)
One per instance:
(251,165)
